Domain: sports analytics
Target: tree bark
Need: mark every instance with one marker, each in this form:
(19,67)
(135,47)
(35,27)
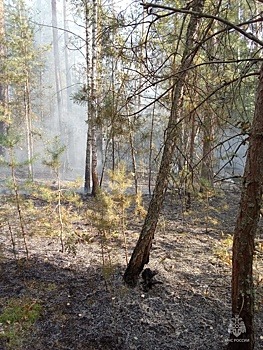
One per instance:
(94,98)
(94,161)
(133,160)
(2,54)
(141,253)
(91,173)
(245,232)
(67,65)
(151,149)
(28,122)
(207,172)
(88,177)
(57,62)
(87,181)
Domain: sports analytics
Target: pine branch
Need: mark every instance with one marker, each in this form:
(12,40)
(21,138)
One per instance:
(229,24)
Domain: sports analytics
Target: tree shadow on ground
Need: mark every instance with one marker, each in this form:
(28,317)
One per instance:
(73,303)
(91,309)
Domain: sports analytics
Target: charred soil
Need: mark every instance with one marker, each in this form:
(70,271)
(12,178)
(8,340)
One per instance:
(85,305)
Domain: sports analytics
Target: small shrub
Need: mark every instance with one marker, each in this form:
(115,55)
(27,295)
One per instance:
(223,250)
(111,211)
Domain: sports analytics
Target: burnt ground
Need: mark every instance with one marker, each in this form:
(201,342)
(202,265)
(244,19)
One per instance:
(85,305)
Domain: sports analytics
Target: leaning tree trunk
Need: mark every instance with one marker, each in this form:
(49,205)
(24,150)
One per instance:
(242,325)
(141,253)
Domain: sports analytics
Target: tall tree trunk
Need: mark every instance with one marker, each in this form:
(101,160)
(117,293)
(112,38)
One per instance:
(57,62)
(193,132)
(94,97)
(207,172)
(133,160)
(94,162)
(244,235)
(105,151)
(28,120)
(113,151)
(39,40)
(27,100)
(208,124)
(88,178)
(68,73)
(151,149)
(91,174)
(2,54)
(141,253)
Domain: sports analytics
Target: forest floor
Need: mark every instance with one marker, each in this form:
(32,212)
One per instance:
(72,300)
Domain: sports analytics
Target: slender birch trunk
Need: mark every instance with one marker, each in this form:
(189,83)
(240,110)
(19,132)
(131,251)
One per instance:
(94,98)
(88,178)
(91,173)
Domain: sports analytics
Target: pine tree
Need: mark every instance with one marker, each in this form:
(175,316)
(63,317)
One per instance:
(21,67)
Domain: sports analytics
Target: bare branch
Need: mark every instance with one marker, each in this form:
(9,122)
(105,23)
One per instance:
(229,24)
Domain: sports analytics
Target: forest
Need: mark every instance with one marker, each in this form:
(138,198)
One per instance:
(131,175)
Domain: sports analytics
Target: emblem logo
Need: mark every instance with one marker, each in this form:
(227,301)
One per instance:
(236,326)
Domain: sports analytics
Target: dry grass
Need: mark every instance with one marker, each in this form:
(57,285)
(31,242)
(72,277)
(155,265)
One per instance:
(85,305)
